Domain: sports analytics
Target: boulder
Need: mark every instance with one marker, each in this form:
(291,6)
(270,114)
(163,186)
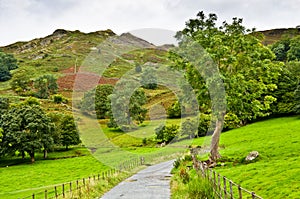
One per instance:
(252,155)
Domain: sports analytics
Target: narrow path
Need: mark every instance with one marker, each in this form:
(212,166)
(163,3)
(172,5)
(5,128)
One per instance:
(150,183)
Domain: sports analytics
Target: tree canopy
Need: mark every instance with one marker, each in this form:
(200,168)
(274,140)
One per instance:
(26,128)
(7,63)
(244,65)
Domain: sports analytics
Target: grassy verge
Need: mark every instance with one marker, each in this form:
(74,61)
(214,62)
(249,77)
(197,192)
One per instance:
(186,183)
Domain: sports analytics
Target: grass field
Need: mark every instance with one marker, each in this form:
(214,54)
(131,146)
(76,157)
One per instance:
(24,179)
(276,173)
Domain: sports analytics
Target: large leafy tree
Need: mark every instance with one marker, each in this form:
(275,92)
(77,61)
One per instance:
(26,128)
(7,63)
(244,64)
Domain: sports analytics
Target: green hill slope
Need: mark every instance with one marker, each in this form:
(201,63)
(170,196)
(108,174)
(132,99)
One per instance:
(276,173)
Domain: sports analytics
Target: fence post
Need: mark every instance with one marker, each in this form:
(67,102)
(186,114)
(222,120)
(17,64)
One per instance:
(46,194)
(76,185)
(231,193)
(219,185)
(83,181)
(224,183)
(33,196)
(63,190)
(98,176)
(215,181)
(55,191)
(240,192)
(71,188)
(253,195)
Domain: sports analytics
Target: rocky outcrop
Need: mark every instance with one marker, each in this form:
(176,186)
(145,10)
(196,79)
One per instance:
(252,156)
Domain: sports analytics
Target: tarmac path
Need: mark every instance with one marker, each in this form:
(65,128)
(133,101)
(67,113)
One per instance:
(150,183)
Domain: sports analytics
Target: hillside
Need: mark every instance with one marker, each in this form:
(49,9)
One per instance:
(63,52)
(271,36)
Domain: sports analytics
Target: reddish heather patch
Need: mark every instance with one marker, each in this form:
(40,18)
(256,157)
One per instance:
(81,81)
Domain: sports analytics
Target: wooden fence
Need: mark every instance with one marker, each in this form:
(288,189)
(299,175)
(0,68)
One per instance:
(79,187)
(226,188)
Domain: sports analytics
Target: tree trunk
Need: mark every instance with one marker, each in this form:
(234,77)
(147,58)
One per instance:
(214,147)
(23,155)
(67,147)
(32,156)
(45,153)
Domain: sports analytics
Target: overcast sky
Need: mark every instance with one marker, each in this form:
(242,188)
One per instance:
(22,20)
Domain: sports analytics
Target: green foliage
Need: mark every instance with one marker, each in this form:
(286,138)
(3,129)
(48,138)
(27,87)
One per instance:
(26,129)
(126,106)
(231,121)
(284,94)
(58,98)
(174,111)
(45,86)
(244,64)
(204,123)
(149,78)
(297,100)
(294,51)
(4,105)
(281,49)
(287,49)
(189,128)
(21,81)
(7,63)
(166,133)
(96,100)
(31,101)
(68,132)
(187,183)
(102,100)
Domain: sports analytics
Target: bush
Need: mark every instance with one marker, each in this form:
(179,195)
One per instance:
(204,124)
(174,111)
(231,121)
(166,133)
(58,98)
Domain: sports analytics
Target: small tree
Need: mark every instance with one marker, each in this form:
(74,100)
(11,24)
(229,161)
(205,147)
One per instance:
(21,82)
(45,86)
(69,134)
(7,63)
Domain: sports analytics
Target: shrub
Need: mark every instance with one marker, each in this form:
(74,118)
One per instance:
(204,124)
(174,111)
(166,133)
